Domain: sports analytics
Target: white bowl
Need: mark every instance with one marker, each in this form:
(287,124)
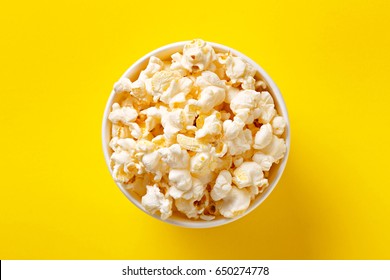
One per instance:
(276,171)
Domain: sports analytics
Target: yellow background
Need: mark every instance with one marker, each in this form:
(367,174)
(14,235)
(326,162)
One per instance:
(58,64)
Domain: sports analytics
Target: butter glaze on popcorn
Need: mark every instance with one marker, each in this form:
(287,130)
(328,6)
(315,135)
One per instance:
(184,111)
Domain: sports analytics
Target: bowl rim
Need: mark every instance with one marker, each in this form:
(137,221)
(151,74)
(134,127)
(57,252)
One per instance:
(275,92)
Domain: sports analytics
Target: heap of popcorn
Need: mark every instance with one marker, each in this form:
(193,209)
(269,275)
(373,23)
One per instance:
(196,134)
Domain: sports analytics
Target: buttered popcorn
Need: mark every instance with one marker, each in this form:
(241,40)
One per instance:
(196,134)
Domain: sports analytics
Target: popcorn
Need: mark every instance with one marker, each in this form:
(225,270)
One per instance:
(120,131)
(263,137)
(238,71)
(197,56)
(248,174)
(155,201)
(139,95)
(122,160)
(180,181)
(191,115)
(212,127)
(220,149)
(160,141)
(231,93)
(144,146)
(197,130)
(160,82)
(170,87)
(207,79)
(209,98)
(121,157)
(193,208)
(138,185)
(237,140)
(260,85)
(153,117)
(176,64)
(265,161)
(241,144)
(177,92)
(276,149)
(231,129)
(202,163)
(278,125)
(172,121)
(225,115)
(137,89)
(119,174)
(197,190)
(267,107)
(187,207)
(190,144)
(234,203)
(175,157)
(245,105)
(153,164)
(206,178)
(222,186)
(238,161)
(256,189)
(124,115)
(123,85)
(135,130)
(154,65)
